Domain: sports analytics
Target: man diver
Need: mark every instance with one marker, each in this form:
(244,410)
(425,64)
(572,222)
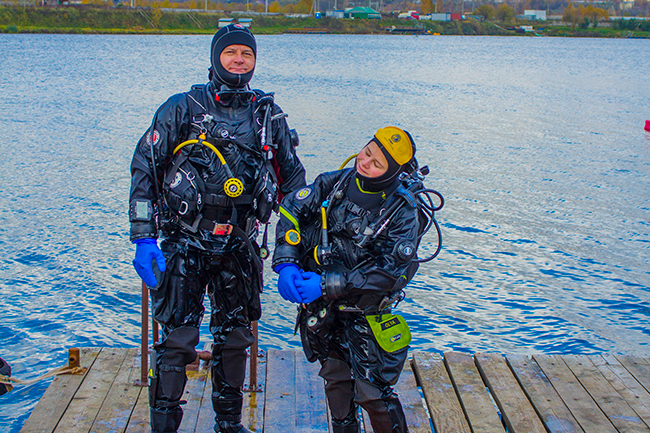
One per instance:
(345,246)
(205,175)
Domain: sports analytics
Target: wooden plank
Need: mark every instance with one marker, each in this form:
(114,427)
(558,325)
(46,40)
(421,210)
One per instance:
(193,394)
(330,429)
(51,407)
(625,384)
(549,406)
(516,410)
(253,410)
(639,368)
(367,426)
(252,407)
(611,403)
(439,394)
(582,406)
(85,405)
(139,421)
(205,420)
(116,409)
(409,396)
(280,411)
(311,405)
(474,398)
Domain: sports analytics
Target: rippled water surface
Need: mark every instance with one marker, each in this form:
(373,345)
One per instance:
(537,145)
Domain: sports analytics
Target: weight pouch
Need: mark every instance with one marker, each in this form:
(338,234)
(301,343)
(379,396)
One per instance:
(390,330)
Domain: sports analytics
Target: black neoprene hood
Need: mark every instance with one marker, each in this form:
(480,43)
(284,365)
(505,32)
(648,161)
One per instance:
(232,34)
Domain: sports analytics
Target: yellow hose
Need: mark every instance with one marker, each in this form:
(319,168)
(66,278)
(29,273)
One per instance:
(205,143)
(324,216)
(347,160)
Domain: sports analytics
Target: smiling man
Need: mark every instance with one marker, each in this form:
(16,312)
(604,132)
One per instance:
(238,59)
(205,180)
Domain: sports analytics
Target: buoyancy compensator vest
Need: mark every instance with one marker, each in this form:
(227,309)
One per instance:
(199,195)
(183,189)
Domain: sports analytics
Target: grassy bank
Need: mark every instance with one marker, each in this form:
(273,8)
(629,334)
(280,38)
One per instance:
(93,19)
(88,19)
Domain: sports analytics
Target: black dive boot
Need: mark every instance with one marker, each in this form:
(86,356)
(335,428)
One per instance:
(387,416)
(354,428)
(348,425)
(228,415)
(230,427)
(164,421)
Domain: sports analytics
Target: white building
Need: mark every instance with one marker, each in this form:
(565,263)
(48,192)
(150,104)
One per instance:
(626,5)
(534,15)
(223,22)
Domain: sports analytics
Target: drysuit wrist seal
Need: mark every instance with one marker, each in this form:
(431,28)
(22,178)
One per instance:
(333,285)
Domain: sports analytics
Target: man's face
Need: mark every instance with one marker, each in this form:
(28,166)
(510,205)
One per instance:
(237,59)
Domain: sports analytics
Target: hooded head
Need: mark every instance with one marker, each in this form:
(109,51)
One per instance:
(398,148)
(233,34)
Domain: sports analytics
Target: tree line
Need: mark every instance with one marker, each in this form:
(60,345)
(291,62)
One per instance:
(581,16)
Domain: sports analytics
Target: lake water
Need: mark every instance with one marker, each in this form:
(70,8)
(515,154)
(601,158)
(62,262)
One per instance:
(537,145)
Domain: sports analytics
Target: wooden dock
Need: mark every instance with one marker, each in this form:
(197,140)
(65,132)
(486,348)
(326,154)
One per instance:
(457,393)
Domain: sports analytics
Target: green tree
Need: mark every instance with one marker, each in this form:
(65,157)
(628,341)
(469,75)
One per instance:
(303,6)
(505,13)
(572,16)
(475,27)
(595,14)
(427,7)
(486,11)
(274,7)
(156,15)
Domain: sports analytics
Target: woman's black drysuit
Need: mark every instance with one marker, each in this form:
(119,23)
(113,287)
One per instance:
(360,276)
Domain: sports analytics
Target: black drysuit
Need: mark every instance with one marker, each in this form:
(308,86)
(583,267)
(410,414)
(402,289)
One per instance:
(208,236)
(356,278)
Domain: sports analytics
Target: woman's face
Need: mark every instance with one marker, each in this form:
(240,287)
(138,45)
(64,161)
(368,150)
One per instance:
(371,162)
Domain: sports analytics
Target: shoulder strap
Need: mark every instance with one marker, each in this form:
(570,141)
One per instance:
(340,185)
(172,173)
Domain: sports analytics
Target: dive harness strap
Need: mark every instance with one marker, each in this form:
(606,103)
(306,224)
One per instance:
(233,230)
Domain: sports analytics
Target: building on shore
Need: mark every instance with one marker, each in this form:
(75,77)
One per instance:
(362,12)
(534,15)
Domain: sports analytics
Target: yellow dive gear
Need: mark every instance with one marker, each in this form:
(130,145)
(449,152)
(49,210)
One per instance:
(397,143)
(349,158)
(233,186)
(292,237)
(390,330)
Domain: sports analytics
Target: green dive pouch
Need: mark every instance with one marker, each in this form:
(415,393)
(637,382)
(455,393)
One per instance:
(392,332)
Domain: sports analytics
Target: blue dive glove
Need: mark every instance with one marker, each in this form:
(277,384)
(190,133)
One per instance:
(146,250)
(288,274)
(309,287)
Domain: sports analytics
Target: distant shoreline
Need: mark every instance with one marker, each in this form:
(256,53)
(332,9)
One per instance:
(88,19)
